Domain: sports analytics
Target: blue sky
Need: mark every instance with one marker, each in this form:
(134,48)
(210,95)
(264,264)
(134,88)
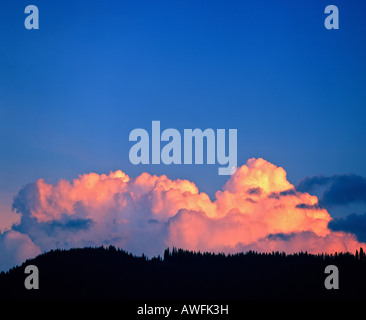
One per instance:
(71,92)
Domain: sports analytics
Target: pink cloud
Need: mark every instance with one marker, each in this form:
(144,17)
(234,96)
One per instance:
(258,208)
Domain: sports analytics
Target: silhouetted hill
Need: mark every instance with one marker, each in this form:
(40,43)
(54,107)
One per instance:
(108,273)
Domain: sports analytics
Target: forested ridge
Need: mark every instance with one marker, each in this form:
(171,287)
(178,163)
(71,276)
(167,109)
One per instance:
(110,273)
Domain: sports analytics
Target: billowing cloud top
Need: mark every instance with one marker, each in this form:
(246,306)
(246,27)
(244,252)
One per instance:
(257,209)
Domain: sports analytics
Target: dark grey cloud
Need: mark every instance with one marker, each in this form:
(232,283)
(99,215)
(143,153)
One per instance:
(353,223)
(277,195)
(256,191)
(70,224)
(281,236)
(337,189)
(310,183)
(308,206)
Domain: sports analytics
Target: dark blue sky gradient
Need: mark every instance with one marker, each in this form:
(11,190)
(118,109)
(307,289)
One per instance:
(71,92)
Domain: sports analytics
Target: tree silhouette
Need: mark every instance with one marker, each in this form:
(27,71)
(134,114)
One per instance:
(110,273)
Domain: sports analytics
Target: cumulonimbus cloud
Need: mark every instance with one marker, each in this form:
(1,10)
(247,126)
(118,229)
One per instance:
(257,209)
